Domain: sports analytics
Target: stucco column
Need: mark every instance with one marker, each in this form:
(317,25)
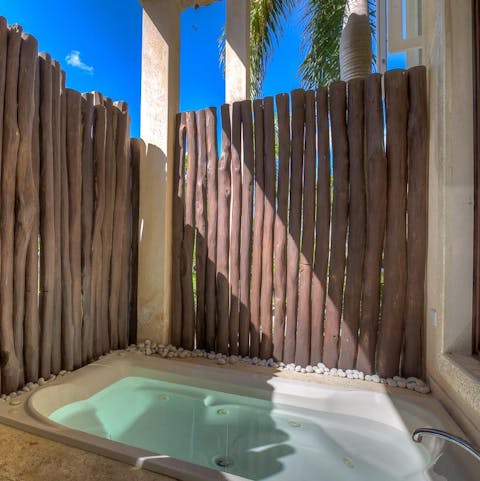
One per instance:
(237,51)
(159,104)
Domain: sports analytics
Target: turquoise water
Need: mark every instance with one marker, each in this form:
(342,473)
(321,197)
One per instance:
(245,436)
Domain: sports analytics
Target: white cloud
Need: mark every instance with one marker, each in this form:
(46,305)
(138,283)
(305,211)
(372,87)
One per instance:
(73,59)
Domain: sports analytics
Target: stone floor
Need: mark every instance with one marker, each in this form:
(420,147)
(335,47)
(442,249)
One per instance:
(24,457)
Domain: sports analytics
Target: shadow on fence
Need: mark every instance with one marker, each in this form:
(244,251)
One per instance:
(306,240)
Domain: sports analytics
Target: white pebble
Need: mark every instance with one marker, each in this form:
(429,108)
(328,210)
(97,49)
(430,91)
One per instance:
(350,376)
(375,378)
(422,389)
(361,375)
(309,369)
(26,389)
(303,370)
(221,361)
(341,373)
(321,365)
(52,377)
(298,368)
(41,381)
(13,394)
(411,385)
(392,382)
(402,384)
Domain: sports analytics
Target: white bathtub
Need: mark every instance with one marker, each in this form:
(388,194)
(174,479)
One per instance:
(361,428)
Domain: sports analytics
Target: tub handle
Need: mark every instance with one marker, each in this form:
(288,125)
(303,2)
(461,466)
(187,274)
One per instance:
(418,434)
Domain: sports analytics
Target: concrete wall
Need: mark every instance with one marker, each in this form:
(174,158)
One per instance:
(453,373)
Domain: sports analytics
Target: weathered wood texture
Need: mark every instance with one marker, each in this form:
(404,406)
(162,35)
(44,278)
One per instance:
(356,229)
(54,163)
(417,222)
(256,280)
(322,227)
(280,229)
(376,190)
(300,267)
(395,253)
(334,301)
(235,216)
(201,227)
(294,221)
(300,233)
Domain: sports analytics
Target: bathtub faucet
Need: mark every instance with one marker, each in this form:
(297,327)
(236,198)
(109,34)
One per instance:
(418,434)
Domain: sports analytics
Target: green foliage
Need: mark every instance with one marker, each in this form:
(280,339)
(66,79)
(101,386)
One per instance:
(323,22)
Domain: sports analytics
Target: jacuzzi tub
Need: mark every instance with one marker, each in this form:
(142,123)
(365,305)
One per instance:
(195,422)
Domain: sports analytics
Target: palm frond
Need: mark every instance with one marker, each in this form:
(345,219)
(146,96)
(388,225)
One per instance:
(266,17)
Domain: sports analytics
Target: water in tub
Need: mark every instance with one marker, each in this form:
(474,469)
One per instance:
(245,436)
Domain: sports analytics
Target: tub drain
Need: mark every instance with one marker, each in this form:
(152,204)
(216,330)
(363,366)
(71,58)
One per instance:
(223,461)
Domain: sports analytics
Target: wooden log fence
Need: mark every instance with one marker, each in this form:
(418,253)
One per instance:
(314,226)
(69,219)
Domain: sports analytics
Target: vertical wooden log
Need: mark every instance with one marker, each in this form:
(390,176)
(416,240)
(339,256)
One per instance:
(109,326)
(281,220)
(11,138)
(138,155)
(322,227)
(188,324)
(223,238)
(266,347)
(395,263)
(212,223)
(246,226)
(99,160)
(376,218)
(26,191)
(177,229)
(122,239)
(74,168)
(87,226)
(47,228)
(57,319)
(67,306)
(201,226)
(417,221)
(256,285)
(339,223)
(32,324)
(303,341)
(293,246)
(235,218)
(357,226)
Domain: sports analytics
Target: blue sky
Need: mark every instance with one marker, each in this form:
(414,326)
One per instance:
(102,39)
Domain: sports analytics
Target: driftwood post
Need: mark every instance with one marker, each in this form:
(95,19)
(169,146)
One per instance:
(256,285)
(47,227)
(108,325)
(74,164)
(99,140)
(293,246)
(87,225)
(188,325)
(356,230)
(395,263)
(224,191)
(266,346)
(376,216)
(212,222)
(32,326)
(56,137)
(322,227)
(281,219)
(11,367)
(235,217)
(417,221)
(177,230)
(303,341)
(246,226)
(339,223)
(201,226)
(26,191)
(67,308)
